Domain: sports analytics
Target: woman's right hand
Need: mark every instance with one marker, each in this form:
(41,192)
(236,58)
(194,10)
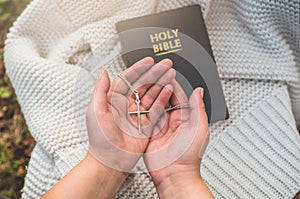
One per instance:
(174,154)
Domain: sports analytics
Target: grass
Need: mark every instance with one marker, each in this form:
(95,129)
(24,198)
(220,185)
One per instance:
(16,142)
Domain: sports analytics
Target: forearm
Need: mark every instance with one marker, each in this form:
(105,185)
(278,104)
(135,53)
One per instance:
(89,179)
(184,186)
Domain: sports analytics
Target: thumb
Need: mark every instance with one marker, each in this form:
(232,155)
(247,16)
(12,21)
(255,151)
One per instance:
(100,94)
(198,117)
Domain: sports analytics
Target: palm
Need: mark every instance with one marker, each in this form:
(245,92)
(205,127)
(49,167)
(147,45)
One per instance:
(113,134)
(165,131)
(163,142)
(171,122)
(183,134)
(122,130)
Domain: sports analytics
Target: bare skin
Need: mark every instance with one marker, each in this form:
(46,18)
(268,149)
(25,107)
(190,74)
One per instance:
(102,172)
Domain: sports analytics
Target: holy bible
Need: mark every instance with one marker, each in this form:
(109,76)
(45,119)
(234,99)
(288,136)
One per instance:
(181,36)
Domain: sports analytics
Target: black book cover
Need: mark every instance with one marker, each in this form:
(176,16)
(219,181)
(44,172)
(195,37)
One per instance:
(180,35)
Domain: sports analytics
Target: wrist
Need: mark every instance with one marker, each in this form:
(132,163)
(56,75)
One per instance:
(173,173)
(89,179)
(104,173)
(175,181)
(183,185)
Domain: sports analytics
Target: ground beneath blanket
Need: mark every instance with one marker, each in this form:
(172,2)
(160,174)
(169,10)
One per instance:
(15,141)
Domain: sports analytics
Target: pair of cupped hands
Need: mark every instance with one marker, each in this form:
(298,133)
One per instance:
(171,143)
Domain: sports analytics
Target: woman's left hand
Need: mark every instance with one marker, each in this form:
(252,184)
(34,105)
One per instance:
(114,135)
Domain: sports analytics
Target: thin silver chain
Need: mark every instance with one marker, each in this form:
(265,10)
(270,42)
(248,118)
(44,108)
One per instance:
(137,100)
(138,103)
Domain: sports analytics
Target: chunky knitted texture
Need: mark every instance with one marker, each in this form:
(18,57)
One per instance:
(55,48)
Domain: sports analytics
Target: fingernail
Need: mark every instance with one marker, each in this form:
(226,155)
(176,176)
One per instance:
(201,91)
(167,62)
(100,73)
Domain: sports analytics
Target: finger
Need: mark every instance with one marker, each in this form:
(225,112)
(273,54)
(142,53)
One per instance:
(161,126)
(147,79)
(100,95)
(156,110)
(198,117)
(153,92)
(129,125)
(158,107)
(179,97)
(132,74)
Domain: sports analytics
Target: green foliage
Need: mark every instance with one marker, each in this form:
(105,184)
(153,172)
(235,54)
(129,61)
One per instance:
(5,16)
(15,140)
(5,93)
(4,13)
(9,11)
(3,1)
